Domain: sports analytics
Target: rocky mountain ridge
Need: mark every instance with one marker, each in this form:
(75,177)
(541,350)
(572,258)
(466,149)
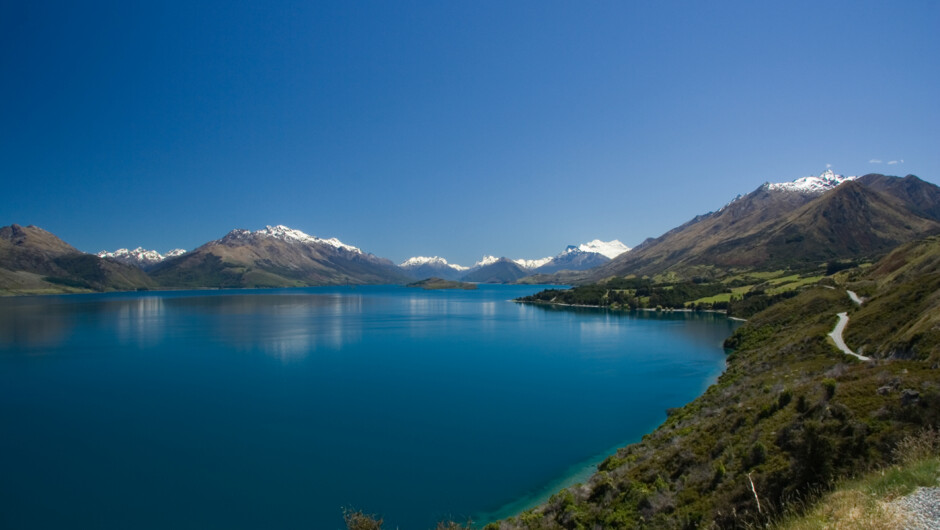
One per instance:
(790,226)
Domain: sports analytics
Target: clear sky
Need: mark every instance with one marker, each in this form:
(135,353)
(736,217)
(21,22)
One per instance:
(451,128)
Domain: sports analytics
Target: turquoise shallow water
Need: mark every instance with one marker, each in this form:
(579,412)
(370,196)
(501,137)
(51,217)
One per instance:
(276,408)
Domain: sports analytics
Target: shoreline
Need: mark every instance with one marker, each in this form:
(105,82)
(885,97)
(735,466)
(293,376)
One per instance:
(576,473)
(579,472)
(648,309)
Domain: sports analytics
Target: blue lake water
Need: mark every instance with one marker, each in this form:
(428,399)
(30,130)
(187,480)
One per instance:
(276,408)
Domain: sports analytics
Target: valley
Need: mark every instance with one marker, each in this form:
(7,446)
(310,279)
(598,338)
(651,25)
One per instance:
(790,414)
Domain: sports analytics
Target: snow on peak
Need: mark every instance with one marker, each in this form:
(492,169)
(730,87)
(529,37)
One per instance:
(824,182)
(611,249)
(140,255)
(532,263)
(487,260)
(418,261)
(288,234)
(423,260)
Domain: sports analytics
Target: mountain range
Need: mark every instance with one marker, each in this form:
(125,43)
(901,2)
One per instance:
(140,257)
(491,269)
(803,223)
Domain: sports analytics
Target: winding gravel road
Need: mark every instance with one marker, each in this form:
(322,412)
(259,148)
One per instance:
(854,297)
(836,335)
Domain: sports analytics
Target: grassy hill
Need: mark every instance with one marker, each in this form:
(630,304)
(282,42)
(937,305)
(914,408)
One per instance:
(34,261)
(790,414)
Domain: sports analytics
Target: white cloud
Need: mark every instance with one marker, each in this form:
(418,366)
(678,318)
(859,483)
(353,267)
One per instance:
(874,161)
(893,162)
(828,166)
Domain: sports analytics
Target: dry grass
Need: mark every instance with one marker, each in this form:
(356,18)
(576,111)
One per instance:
(919,446)
(849,509)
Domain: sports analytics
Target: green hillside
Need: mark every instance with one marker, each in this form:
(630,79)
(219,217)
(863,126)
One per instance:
(790,414)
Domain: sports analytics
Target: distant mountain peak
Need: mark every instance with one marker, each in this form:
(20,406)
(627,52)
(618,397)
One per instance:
(418,261)
(140,257)
(285,233)
(826,181)
(611,249)
(576,257)
(487,260)
(532,263)
(289,235)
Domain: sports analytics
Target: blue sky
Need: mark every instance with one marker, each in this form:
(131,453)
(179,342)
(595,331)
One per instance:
(446,128)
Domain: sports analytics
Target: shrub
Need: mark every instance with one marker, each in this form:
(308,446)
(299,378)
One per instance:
(757,455)
(918,446)
(357,520)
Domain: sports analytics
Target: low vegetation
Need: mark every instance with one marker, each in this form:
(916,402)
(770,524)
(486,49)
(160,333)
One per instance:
(439,283)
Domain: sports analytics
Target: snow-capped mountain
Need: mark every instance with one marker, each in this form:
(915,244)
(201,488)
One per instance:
(611,249)
(285,233)
(584,256)
(810,220)
(140,257)
(276,256)
(420,267)
(608,249)
(533,263)
(574,257)
(417,261)
(495,270)
(796,192)
(814,185)
(487,260)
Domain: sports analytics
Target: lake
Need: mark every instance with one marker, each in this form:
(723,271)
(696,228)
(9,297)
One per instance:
(277,408)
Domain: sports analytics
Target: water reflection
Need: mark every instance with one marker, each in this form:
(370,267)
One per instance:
(140,321)
(697,328)
(288,327)
(284,326)
(33,324)
(602,331)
